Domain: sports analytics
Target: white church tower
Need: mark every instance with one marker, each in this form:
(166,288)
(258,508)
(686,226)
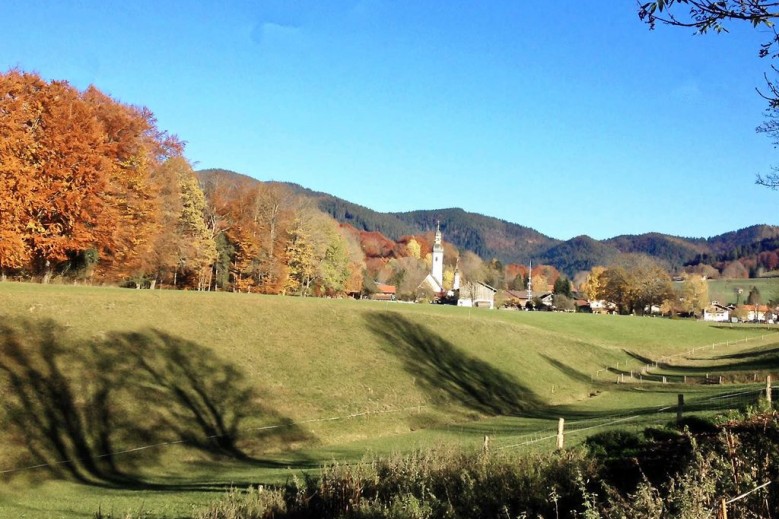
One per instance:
(438,257)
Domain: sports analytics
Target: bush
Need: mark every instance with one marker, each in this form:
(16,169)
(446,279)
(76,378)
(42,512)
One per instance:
(673,475)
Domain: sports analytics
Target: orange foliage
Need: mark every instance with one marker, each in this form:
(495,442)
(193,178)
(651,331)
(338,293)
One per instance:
(74,170)
(376,245)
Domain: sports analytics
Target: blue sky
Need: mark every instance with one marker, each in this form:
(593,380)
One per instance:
(565,117)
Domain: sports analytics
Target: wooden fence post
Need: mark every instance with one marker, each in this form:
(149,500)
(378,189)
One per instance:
(560,436)
(679,408)
(768,389)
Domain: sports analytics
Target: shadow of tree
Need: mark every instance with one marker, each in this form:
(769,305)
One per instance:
(568,370)
(759,359)
(75,407)
(205,398)
(440,367)
(50,408)
(752,354)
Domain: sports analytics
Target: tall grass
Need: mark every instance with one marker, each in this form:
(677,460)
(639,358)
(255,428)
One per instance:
(663,473)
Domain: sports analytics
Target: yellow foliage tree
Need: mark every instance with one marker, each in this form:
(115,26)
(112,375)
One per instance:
(414,249)
(593,285)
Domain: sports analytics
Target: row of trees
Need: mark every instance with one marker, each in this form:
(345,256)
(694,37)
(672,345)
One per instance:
(77,177)
(90,188)
(639,286)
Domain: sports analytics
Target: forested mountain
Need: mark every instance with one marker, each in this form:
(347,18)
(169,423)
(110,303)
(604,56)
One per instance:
(96,192)
(509,242)
(673,250)
(742,238)
(488,237)
(580,253)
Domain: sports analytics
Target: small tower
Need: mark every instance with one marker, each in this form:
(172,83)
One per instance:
(456,283)
(530,282)
(438,257)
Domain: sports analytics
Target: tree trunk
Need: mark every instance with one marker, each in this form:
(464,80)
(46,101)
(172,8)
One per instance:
(47,274)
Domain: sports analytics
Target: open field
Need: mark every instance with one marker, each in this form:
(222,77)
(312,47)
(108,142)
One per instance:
(299,382)
(724,290)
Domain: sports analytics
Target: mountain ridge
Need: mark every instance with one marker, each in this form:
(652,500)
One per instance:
(491,237)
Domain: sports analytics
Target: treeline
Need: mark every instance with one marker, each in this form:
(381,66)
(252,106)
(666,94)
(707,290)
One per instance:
(79,179)
(91,189)
(639,285)
(757,258)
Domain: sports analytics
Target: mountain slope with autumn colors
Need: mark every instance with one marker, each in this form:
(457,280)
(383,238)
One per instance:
(509,242)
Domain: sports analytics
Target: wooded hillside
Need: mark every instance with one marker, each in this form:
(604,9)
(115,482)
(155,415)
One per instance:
(92,190)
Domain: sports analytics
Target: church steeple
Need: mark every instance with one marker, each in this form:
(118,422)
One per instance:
(438,256)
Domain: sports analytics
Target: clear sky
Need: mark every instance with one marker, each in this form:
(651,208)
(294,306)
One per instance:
(568,117)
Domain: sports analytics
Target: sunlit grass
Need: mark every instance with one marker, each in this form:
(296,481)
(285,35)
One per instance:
(356,377)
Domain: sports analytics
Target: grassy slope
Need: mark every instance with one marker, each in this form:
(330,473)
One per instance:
(425,374)
(723,290)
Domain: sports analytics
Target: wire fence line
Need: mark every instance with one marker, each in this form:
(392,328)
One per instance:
(666,359)
(731,398)
(718,402)
(417,408)
(720,509)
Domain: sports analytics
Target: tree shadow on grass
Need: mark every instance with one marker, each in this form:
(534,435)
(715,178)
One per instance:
(752,354)
(441,368)
(568,371)
(748,361)
(78,408)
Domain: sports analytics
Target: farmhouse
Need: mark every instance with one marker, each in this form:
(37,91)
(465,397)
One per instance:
(476,294)
(518,298)
(716,312)
(384,292)
(755,313)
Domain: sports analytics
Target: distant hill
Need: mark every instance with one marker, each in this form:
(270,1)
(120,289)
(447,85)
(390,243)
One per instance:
(742,238)
(513,243)
(486,236)
(672,249)
(580,253)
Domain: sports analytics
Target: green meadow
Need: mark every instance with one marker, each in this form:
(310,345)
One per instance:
(194,393)
(725,290)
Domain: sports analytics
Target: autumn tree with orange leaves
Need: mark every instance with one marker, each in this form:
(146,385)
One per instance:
(75,177)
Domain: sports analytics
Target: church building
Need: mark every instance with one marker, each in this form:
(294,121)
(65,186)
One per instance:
(435,279)
(470,294)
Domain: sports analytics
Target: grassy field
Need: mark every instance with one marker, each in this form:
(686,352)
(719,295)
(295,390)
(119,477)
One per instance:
(294,383)
(724,290)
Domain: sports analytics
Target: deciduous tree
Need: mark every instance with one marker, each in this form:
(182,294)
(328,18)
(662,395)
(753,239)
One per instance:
(694,294)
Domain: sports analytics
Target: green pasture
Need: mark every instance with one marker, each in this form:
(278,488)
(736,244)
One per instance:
(725,290)
(302,382)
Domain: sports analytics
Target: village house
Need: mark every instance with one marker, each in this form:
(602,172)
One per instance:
(716,313)
(476,294)
(755,313)
(384,292)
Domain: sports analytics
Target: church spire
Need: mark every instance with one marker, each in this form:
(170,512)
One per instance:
(438,256)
